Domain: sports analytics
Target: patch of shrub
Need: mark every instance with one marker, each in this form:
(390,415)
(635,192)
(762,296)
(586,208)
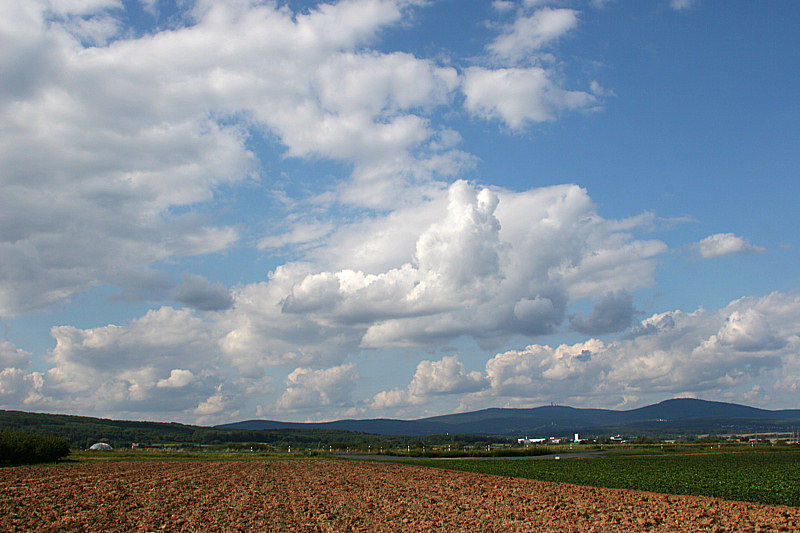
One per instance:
(18,448)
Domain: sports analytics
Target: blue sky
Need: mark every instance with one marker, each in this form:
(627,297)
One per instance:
(309,210)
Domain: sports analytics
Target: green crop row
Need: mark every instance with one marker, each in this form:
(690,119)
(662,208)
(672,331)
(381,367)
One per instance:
(765,477)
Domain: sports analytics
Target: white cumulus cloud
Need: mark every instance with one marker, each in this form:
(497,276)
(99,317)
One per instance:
(309,388)
(432,378)
(178,378)
(530,33)
(519,96)
(681,5)
(721,244)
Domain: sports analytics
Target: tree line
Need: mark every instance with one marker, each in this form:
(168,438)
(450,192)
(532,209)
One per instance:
(17,447)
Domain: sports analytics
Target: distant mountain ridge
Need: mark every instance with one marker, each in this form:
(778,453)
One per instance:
(675,415)
(679,417)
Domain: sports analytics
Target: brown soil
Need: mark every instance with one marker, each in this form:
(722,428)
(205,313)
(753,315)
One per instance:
(345,496)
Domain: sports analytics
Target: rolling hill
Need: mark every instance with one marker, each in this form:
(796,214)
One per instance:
(677,417)
(82,431)
(681,415)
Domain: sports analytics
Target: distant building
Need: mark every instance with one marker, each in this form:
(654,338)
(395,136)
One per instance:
(526,440)
(101,446)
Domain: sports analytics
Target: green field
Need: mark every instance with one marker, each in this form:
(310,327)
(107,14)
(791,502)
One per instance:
(759,476)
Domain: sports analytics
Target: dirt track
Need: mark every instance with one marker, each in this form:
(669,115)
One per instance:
(345,496)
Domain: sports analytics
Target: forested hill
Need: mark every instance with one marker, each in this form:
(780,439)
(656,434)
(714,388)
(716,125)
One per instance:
(83,431)
(676,416)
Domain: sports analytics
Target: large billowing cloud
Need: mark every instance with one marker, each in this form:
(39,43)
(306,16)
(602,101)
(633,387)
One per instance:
(116,148)
(469,262)
(748,350)
(109,142)
(489,263)
(105,147)
(165,363)
(91,165)
(753,342)
(543,371)
(167,353)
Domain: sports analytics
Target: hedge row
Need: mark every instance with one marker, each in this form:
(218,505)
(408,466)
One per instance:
(18,448)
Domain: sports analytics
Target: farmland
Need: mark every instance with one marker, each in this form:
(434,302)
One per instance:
(324,495)
(759,476)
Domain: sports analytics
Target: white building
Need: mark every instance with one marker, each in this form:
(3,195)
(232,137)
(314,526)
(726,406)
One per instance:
(101,446)
(526,440)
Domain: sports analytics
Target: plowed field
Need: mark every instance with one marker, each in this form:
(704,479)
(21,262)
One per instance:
(345,496)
